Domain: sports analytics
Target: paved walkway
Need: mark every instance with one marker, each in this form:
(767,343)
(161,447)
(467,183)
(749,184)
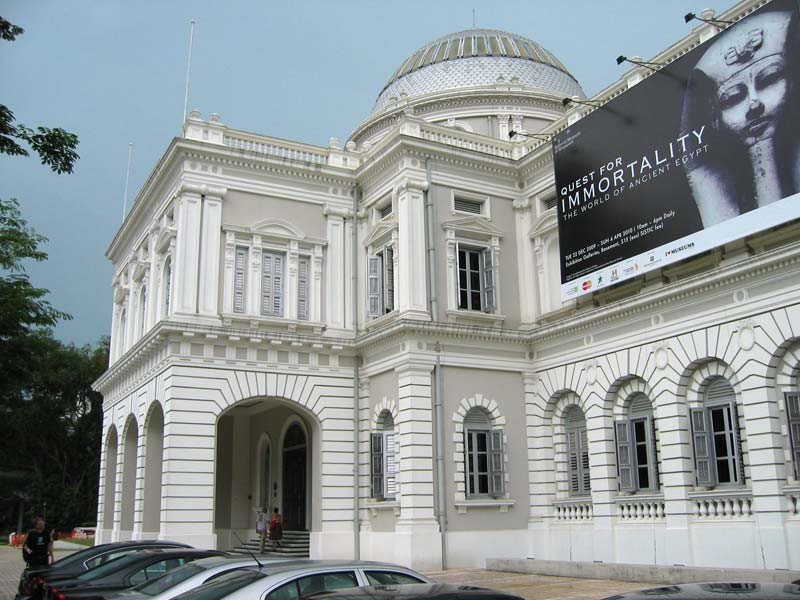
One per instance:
(530,587)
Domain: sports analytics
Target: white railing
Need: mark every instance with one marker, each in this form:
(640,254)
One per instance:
(573,510)
(465,140)
(640,508)
(722,505)
(288,151)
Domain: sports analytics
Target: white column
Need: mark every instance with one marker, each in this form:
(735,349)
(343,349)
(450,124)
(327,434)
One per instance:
(187,251)
(767,471)
(253,289)
(677,475)
(292,258)
(526,271)
(228,274)
(208,292)
(336,284)
(412,262)
(152,281)
(316,282)
(418,539)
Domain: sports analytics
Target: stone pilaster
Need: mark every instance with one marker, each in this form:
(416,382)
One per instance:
(412,262)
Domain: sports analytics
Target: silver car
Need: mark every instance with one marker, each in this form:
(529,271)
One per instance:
(188,577)
(297,579)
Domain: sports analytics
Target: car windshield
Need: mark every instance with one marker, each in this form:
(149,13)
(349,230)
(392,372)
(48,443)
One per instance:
(109,567)
(168,580)
(222,586)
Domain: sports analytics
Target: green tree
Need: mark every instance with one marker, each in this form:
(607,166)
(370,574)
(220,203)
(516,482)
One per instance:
(55,147)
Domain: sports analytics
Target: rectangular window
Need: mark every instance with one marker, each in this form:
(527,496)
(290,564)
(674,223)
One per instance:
(636,454)
(793,419)
(484,463)
(239,279)
(477,277)
(717,454)
(385,211)
(380,283)
(383,465)
(578,452)
(272,284)
(303,270)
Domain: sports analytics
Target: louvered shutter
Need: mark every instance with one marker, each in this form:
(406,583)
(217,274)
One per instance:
(391,466)
(585,473)
(302,288)
(793,418)
(489,278)
(266,283)
(374,286)
(574,464)
(388,301)
(376,464)
(277,285)
(239,271)
(496,471)
(624,456)
(739,470)
(702,447)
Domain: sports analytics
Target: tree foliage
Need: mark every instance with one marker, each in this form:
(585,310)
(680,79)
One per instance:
(52,419)
(55,146)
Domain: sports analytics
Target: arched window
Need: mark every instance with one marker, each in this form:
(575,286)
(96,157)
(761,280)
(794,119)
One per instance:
(715,433)
(142,310)
(483,449)
(123,330)
(577,452)
(166,286)
(636,446)
(383,466)
(793,418)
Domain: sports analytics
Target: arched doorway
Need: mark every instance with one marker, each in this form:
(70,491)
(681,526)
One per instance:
(295,451)
(110,485)
(129,452)
(154,459)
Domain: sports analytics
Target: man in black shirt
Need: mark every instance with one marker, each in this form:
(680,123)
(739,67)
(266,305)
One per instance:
(38,547)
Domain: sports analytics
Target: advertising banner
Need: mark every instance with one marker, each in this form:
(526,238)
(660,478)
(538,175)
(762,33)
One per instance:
(702,152)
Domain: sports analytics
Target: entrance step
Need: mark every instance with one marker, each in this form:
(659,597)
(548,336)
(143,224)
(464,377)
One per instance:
(293,545)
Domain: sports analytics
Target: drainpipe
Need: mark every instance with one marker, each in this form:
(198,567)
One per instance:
(356,399)
(438,407)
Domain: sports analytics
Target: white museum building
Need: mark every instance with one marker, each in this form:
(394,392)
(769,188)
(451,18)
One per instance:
(371,337)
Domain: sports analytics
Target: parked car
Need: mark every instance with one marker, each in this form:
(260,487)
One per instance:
(296,579)
(31,580)
(709,591)
(122,573)
(416,591)
(188,577)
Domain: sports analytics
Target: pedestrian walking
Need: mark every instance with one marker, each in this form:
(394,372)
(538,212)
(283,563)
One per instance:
(275,528)
(261,528)
(38,547)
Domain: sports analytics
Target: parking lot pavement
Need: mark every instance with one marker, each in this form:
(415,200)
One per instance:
(11,566)
(530,587)
(537,587)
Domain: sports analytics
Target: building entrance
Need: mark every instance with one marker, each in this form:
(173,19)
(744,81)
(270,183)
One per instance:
(294,479)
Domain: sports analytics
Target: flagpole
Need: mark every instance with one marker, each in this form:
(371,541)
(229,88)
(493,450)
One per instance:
(188,71)
(127,179)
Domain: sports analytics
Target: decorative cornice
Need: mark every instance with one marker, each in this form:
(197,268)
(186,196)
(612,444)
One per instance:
(337,211)
(201,189)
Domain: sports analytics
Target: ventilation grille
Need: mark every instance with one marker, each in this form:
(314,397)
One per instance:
(476,416)
(468,206)
(550,202)
(385,211)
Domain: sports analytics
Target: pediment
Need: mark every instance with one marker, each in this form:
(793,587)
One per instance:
(473,224)
(381,230)
(277,228)
(546,224)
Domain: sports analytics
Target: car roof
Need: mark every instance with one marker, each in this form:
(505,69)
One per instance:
(708,591)
(226,559)
(302,565)
(442,591)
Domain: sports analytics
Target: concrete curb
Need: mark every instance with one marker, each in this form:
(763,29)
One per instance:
(644,573)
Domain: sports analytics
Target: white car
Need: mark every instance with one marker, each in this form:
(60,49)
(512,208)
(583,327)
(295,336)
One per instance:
(297,579)
(188,577)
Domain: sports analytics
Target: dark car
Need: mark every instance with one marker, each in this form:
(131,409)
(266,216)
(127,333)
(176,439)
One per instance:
(122,573)
(75,564)
(709,591)
(416,591)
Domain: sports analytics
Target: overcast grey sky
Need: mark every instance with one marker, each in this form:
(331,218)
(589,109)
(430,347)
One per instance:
(113,71)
